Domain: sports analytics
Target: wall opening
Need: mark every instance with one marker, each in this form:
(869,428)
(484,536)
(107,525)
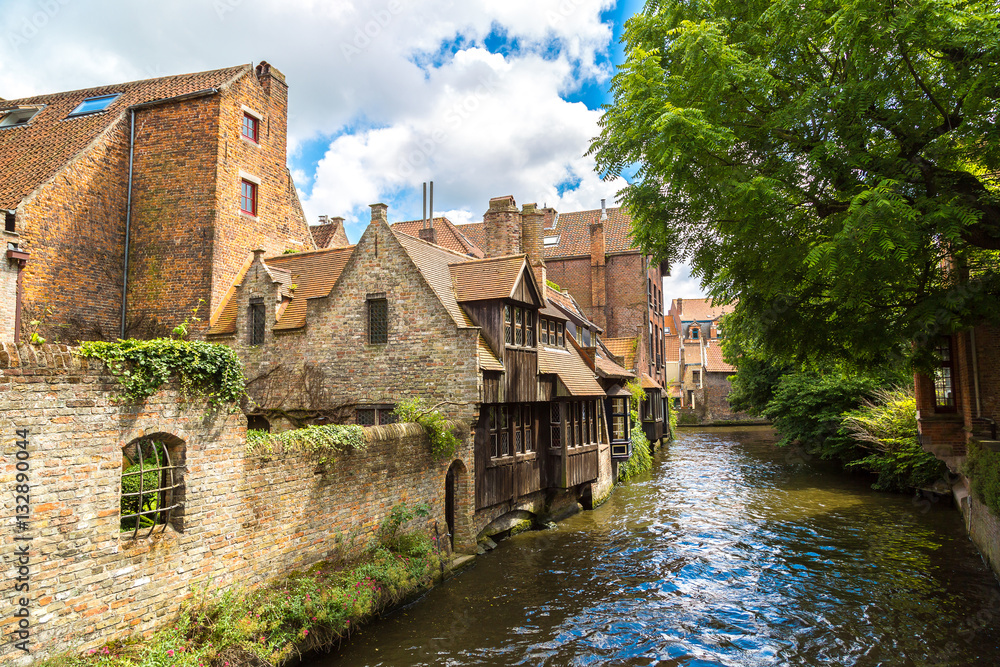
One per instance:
(152,485)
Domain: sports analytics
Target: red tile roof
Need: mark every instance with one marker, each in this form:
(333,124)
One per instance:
(699,310)
(487,278)
(623,348)
(329,234)
(609,369)
(31,154)
(715,362)
(672,348)
(446,235)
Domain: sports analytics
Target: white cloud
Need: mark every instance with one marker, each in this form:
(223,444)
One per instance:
(402,90)
(680,284)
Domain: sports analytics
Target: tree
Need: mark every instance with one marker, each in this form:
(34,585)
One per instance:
(829,166)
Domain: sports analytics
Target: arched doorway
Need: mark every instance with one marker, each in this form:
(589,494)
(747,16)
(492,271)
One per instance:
(449,504)
(456,505)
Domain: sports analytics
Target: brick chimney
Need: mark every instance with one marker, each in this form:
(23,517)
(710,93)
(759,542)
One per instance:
(428,234)
(329,233)
(502,227)
(680,306)
(550,217)
(598,260)
(380,212)
(532,220)
(267,74)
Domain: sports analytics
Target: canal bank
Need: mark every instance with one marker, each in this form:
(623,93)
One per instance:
(730,552)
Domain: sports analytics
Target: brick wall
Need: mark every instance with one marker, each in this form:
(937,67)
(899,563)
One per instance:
(715,402)
(8,289)
(244,520)
(73,226)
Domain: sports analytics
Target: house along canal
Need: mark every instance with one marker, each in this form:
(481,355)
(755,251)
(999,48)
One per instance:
(731,552)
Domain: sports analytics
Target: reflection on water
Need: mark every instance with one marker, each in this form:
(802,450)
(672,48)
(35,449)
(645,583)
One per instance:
(731,552)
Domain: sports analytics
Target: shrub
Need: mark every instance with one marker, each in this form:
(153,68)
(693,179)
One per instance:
(444,444)
(641,459)
(324,440)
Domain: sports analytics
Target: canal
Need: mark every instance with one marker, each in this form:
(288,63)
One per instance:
(730,552)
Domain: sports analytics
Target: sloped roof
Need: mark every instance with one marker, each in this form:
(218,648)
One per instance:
(223,320)
(33,153)
(433,262)
(648,382)
(672,348)
(700,310)
(623,348)
(572,371)
(487,360)
(481,279)
(609,369)
(446,235)
(714,362)
(565,302)
(573,230)
(329,235)
(692,354)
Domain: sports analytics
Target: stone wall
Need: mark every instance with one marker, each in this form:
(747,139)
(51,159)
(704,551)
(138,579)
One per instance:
(983,526)
(244,520)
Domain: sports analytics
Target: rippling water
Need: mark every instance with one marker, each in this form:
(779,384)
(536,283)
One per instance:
(731,552)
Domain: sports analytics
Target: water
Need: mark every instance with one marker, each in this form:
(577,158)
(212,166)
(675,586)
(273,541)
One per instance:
(730,552)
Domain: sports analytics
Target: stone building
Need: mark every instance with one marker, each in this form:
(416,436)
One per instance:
(165,182)
(346,334)
(591,255)
(698,376)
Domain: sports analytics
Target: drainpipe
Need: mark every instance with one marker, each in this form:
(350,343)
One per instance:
(975,371)
(128,218)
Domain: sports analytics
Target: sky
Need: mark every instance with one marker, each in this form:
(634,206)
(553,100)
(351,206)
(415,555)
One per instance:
(484,97)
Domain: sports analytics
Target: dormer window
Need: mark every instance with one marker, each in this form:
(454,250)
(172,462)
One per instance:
(551,332)
(519,326)
(694,333)
(94,104)
(18,117)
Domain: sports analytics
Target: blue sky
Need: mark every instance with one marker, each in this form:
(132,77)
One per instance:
(484,97)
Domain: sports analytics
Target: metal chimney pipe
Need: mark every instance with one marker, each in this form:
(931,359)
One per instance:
(423,220)
(430,221)
(604,211)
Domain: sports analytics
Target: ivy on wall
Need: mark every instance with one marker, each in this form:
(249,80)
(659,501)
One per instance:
(325,441)
(205,370)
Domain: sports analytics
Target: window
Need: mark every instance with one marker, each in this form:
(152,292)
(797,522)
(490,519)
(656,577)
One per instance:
(150,486)
(595,422)
(543,331)
(518,326)
(508,328)
(94,104)
(529,427)
(504,431)
(494,431)
(518,431)
(256,321)
(694,332)
(619,417)
(250,128)
(944,378)
(529,332)
(378,319)
(696,377)
(561,335)
(550,241)
(375,415)
(17,117)
(9,221)
(555,425)
(511,430)
(248,197)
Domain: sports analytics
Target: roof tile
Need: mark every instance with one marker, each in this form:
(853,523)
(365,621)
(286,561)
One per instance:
(482,279)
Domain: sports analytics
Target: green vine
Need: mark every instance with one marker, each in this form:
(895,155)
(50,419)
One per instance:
(444,444)
(205,370)
(325,440)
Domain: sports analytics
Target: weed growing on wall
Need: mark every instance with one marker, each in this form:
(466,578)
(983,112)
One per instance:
(982,467)
(444,444)
(641,459)
(324,441)
(205,370)
(276,624)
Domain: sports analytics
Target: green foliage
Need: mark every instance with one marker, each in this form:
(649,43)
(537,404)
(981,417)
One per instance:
(982,467)
(672,419)
(181,331)
(444,444)
(553,285)
(407,543)
(205,370)
(324,441)
(815,162)
(156,458)
(756,379)
(638,395)
(270,626)
(641,459)
(887,428)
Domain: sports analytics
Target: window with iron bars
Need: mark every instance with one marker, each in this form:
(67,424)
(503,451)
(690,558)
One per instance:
(375,415)
(151,489)
(378,319)
(256,321)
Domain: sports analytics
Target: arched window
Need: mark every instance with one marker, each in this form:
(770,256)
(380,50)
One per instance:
(151,485)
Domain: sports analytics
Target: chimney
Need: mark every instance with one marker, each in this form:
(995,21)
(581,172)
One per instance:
(604,211)
(550,217)
(267,74)
(532,219)
(502,227)
(322,219)
(680,306)
(428,233)
(598,260)
(380,212)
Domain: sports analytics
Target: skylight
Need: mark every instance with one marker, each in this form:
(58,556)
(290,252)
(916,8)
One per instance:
(550,241)
(17,117)
(94,104)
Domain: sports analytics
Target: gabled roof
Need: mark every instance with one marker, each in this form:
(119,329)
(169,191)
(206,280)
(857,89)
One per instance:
(329,234)
(313,273)
(649,383)
(565,302)
(700,310)
(573,372)
(434,262)
(494,278)
(714,362)
(609,369)
(623,348)
(446,235)
(31,154)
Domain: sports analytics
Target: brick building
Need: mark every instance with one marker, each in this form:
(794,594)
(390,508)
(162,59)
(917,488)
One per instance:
(697,374)
(177,175)
(345,334)
(591,255)
(961,400)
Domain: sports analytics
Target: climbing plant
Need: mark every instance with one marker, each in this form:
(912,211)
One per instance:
(324,441)
(444,444)
(205,370)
